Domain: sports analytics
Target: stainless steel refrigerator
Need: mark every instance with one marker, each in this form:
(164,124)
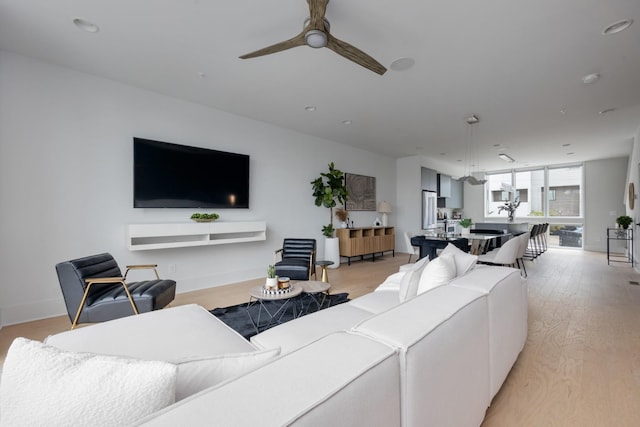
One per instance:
(429,209)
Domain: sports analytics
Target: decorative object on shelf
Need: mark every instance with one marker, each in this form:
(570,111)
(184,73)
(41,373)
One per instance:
(510,207)
(362,192)
(341,214)
(198,217)
(385,209)
(283,282)
(466,224)
(275,291)
(377,222)
(272,279)
(471,156)
(329,190)
(624,221)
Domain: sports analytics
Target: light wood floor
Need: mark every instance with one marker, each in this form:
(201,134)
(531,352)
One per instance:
(581,363)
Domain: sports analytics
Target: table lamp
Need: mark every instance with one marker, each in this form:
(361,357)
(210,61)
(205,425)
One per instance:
(384,208)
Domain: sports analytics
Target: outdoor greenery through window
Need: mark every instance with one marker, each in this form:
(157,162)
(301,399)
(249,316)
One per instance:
(551,194)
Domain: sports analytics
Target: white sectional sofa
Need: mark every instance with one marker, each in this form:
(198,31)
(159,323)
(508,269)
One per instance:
(384,359)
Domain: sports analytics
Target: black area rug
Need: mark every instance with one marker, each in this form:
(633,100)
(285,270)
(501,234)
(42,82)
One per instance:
(237,316)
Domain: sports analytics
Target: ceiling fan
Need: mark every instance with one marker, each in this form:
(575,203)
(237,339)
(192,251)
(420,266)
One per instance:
(316,34)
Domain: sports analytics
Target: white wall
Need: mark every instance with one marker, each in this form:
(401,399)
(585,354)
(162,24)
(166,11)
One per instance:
(66,181)
(605,182)
(634,176)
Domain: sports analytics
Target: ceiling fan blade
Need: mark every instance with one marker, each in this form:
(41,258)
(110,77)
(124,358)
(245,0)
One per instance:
(317,9)
(278,47)
(354,54)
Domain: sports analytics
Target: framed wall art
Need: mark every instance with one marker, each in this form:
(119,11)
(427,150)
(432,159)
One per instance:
(362,192)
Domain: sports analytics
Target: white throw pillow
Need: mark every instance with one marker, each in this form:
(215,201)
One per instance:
(196,374)
(464,261)
(45,386)
(438,272)
(411,279)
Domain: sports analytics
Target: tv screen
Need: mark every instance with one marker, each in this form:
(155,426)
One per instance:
(169,175)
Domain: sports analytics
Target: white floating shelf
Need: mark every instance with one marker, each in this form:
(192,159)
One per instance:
(185,234)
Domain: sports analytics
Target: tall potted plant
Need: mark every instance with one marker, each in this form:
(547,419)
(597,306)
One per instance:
(329,189)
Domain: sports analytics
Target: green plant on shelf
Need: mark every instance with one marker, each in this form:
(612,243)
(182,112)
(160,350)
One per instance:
(466,222)
(271,271)
(624,221)
(204,216)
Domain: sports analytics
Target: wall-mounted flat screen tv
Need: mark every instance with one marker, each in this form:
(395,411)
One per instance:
(167,175)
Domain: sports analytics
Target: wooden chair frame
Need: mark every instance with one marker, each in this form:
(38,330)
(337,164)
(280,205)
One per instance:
(110,280)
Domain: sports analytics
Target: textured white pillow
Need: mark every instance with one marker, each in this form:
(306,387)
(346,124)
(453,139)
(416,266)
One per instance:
(196,374)
(411,279)
(45,386)
(438,272)
(464,261)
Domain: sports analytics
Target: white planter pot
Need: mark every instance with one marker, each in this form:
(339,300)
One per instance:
(332,251)
(272,283)
(465,231)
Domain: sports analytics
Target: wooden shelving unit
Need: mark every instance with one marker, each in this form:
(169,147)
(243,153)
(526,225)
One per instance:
(358,242)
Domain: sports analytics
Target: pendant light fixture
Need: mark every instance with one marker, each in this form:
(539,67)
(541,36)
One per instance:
(471,155)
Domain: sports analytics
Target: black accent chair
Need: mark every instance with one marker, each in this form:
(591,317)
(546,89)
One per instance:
(298,259)
(95,290)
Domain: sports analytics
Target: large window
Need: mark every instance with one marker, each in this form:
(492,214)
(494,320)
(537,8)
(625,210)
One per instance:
(565,187)
(549,194)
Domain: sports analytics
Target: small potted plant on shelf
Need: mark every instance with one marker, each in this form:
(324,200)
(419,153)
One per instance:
(466,223)
(624,221)
(199,217)
(272,279)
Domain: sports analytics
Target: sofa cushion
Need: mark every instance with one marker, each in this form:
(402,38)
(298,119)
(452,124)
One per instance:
(169,334)
(197,373)
(293,335)
(464,261)
(392,282)
(342,379)
(438,272)
(43,385)
(411,280)
(376,302)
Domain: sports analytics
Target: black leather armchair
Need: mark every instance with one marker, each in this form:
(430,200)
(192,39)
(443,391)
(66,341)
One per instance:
(298,259)
(95,290)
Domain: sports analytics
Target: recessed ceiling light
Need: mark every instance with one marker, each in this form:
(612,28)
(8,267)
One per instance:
(472,119)
(571,153)
(605,111)
(616,27)
(310,108)
(346,122)
(563,111)
(402,64)
(566,145)
(85,25)
(590,78)
(506,157)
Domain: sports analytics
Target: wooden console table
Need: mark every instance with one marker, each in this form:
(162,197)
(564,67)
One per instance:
(363,241)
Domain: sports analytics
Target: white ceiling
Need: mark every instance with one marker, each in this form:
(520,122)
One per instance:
(515,64)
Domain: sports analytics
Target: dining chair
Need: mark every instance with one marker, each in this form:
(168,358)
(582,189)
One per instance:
(411,250)
(505,255)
